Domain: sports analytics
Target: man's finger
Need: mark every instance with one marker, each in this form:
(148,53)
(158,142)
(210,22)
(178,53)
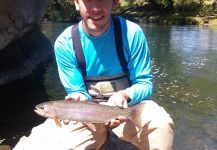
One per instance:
(125,105)
(66,122)
(122,119)
(114,123)
(74,122)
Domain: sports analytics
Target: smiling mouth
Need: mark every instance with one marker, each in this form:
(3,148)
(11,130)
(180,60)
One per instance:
(96,17)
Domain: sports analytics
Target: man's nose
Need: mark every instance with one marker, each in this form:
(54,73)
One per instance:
(96,5)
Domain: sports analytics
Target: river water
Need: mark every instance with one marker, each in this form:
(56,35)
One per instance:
(184,63)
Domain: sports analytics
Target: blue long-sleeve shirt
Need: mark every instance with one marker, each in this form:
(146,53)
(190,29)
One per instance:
(102,60)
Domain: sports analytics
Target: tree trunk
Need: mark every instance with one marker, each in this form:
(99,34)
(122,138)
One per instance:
(213,4)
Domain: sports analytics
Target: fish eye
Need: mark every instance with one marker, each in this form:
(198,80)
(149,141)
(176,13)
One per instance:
(41,107)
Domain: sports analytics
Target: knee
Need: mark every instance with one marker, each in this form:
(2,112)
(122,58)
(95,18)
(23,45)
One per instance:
(162,121)
(156,114)
(155,117)
(161,129)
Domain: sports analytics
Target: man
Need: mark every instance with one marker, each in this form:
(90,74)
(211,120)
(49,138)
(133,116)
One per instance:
(101,69)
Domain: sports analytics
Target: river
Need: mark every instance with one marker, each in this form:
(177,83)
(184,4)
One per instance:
(184,63)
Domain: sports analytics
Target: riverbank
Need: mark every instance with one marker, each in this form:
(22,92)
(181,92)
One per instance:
(173,19)
(182,19)
(185,13)
(205,15)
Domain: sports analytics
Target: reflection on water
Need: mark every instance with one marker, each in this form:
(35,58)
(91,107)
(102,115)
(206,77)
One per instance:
(184,62)
(185,57)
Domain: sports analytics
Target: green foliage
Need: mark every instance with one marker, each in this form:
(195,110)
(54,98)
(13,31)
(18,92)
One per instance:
(188,5)
(160,11)
(61,11)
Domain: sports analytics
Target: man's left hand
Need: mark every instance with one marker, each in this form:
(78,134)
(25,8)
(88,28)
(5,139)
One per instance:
(118,99)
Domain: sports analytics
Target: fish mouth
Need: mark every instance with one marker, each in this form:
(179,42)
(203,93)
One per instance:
(40,113)
(37,111)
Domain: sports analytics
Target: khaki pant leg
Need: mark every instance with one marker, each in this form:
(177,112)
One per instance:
(48,136)
(156,133)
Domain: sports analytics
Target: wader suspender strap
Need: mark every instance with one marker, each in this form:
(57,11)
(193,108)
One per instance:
(118,42)
(78,50)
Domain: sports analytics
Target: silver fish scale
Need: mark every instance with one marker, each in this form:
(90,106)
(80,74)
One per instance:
(88,111)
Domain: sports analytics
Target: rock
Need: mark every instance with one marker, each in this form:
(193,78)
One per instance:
(18,16)
(20,57)
(50,136)
(22,44)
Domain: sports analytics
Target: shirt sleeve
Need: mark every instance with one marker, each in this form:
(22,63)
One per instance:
(139,67)
(69,73)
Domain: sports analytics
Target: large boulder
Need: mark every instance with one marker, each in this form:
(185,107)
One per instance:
(18,16)
(22,44)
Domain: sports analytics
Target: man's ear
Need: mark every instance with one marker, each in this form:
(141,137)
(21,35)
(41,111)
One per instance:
(76,5)
(115,4)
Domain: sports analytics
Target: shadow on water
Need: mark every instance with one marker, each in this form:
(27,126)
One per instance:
(17,101)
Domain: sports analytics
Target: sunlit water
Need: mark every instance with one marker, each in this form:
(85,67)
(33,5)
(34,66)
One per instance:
(184,63)
(185,66)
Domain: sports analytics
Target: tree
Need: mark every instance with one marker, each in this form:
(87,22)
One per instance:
(214,4)
(61,10)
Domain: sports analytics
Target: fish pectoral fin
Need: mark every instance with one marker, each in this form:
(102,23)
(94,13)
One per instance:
(90,126)
(57,121)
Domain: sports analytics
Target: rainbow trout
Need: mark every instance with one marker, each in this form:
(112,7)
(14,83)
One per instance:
(85,111)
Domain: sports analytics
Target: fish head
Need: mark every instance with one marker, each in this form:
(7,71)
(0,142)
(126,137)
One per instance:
(46,109)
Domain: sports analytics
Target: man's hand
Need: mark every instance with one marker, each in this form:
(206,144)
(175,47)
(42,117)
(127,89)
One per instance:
(74,97)
(118,99)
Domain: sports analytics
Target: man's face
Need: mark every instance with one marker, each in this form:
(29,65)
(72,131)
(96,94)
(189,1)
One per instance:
(96,14)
